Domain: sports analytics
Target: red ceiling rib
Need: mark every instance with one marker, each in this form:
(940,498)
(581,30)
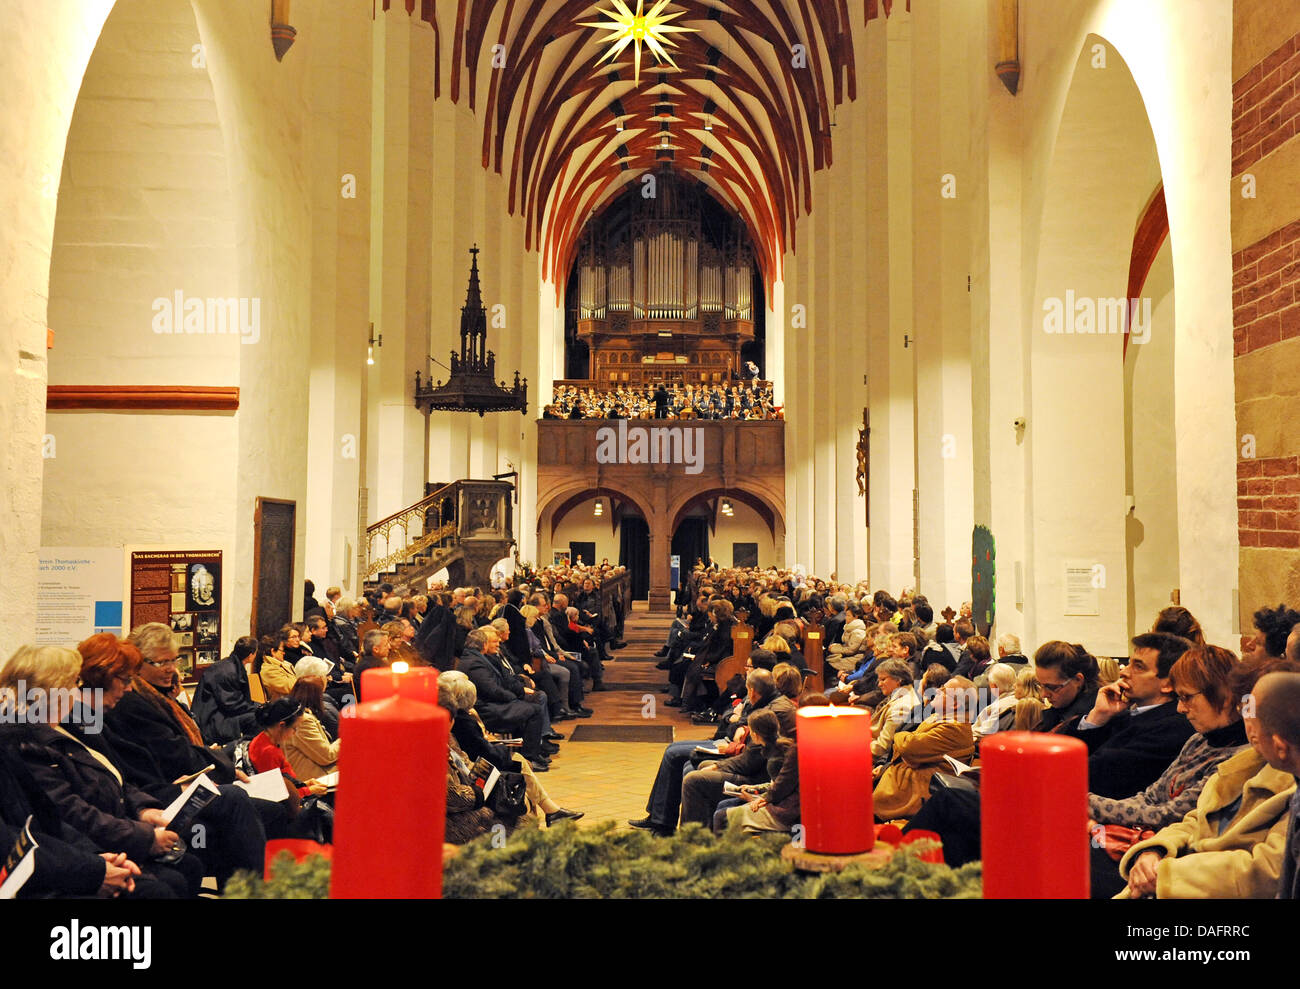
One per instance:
(1152,229)
(771,122)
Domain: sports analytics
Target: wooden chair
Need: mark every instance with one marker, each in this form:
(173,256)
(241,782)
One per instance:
(256,692)
(742,641)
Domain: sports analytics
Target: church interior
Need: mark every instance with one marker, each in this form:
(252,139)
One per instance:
(854,423)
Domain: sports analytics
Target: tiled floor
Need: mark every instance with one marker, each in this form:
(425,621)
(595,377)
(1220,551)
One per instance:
(611,780)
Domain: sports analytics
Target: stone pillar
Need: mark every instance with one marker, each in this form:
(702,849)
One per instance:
(661,542)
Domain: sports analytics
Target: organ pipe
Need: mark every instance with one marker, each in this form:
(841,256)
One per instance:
(667,271)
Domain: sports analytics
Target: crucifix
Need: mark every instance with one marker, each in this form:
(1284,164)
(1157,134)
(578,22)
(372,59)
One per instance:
(864,467)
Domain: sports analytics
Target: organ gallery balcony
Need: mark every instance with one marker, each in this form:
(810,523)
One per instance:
(726,450)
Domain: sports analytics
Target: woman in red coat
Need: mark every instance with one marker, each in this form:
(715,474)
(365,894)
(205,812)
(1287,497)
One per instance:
(278,721)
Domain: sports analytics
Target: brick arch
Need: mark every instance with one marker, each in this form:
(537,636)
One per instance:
(761,502)
(559,502)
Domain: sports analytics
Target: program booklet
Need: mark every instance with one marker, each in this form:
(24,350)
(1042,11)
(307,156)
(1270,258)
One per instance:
(185,808)
(269,785)
(19,864)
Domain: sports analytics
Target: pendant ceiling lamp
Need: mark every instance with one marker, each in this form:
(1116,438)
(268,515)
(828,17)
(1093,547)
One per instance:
(627,28)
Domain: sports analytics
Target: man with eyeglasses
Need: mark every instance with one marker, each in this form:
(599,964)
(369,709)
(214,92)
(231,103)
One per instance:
(1134,729)
(1131,729)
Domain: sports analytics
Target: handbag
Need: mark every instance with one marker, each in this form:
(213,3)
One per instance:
(510,796)
(315,820)
(1117,839)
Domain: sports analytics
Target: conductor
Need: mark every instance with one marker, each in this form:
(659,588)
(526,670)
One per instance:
(661,401)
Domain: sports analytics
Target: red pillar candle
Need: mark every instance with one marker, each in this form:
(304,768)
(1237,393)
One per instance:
(390,811)
(1034,816)
(419,683)
(835,780)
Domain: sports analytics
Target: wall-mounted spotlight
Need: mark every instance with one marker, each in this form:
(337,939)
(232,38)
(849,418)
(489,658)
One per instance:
(375,341)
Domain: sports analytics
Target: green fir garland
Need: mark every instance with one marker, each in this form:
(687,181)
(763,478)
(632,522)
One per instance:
(567,862)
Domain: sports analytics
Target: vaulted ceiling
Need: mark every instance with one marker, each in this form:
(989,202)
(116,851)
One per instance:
(748,110)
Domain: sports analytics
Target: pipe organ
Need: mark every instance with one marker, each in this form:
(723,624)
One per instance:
(663,295)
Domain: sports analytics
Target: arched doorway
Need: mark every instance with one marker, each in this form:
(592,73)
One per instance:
(1101,508)
(600,524)
(730,526)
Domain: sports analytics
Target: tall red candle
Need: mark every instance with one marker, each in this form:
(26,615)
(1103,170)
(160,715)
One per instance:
(391,809)
(1034,816)
(835,780)
(419,683)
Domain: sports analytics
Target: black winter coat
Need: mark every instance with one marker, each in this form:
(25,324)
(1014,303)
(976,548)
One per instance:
(88,797)
(222,706)
(67,864)
(496,688)
(151,749)
(1130,751)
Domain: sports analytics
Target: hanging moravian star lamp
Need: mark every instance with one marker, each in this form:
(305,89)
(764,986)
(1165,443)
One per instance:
(651,28)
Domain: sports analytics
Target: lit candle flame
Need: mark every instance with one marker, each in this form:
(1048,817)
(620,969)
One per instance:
(401,667)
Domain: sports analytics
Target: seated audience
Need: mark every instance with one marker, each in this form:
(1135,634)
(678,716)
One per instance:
(279,722)
(1067,676)
(456,693)
(1000,714)
(1177,620)
(87,792)
(275,663)
(1134,728)
(374,655)
(312,750)
(326,712)
(702,788)
(222,706)
(1277,707)
(894,678)
(844,655)
(1231,845)
(904,784)
(1029,701)
(780,796)
(502,698)
(1200,680)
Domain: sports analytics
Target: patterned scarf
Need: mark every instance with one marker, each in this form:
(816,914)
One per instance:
(168,707)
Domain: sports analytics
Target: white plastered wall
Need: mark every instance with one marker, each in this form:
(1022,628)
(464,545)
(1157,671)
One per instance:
(144,212)
(42,62)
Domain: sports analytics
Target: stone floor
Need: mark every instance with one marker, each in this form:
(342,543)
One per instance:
(611,780)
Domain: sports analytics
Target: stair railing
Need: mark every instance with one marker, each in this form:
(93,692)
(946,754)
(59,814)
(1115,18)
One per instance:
(432,523)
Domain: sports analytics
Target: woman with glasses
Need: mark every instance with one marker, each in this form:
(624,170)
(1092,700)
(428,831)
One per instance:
(274,666)
(65,767)
(1068,677)
(1231,845)
(1200,679)
(155,741)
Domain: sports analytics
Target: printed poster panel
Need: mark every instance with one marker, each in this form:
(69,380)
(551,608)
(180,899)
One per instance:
(181,589)
(78,593)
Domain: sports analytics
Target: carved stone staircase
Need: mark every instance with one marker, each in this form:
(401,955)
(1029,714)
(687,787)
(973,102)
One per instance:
(465,526)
